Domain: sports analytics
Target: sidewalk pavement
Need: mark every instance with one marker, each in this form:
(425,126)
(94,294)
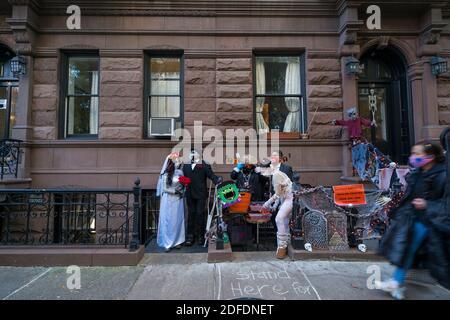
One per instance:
(188,276)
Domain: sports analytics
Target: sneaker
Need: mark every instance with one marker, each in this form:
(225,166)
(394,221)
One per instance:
(393,287)
(398,294)
(281,253)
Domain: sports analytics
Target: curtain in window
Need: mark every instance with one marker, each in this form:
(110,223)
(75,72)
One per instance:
(93,110)
(70,107)
(261,125)
(162,107)
(292,85)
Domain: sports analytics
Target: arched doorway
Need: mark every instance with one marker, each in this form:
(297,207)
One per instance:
(383,95)
(9,93)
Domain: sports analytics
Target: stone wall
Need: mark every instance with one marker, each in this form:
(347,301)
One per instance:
(234,93)
(121,102)
(199,92)
(218,92)
(44,109)
(444,99)
(324,97)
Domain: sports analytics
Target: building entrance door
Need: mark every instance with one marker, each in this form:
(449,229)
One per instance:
(383,96)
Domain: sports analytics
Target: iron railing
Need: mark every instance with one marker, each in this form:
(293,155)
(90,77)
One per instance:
(150,215)
(71,217)
(9,157)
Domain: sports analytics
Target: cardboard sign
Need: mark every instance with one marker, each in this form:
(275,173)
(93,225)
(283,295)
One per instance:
(349,195)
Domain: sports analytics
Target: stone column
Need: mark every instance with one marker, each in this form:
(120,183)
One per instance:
(350,99)
(349,25)
(415,76)
(431,128)
(22,129)
(431,28)
(23,23)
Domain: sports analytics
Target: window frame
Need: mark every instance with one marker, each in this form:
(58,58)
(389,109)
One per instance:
(64,93)
(301,54)
(148,55)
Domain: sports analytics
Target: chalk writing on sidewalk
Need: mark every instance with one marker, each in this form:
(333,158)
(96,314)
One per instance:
(266,284)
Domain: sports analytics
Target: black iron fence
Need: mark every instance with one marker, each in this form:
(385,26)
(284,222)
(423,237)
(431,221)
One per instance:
(9,157)
(150,216)
(71,217)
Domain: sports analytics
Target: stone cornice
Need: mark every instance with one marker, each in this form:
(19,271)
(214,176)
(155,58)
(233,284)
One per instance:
(160,143)
(188,53)
(192,7)
(181,32)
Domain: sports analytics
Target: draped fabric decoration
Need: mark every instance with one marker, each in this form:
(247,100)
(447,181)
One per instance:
(368,161)
(261,125)
(292,85)
(93,110)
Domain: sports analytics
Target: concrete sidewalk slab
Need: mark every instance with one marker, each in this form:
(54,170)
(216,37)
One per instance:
(96,283)
(174,282)
(189,276)
(13,278)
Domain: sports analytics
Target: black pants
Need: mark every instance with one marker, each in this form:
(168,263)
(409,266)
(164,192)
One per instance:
(196,218)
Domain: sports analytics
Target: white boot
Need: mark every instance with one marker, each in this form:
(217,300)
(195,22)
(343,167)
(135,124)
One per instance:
(283,239)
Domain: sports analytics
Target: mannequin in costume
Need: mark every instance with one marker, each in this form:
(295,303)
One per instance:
(354,124)
(283,197)
(171,225)
(277,163)
(358,143)
(248,178)
(196,195)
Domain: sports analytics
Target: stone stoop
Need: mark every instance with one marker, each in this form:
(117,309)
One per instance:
(215,255)
(66,256)
(227,255)
(12,183)
(347,255)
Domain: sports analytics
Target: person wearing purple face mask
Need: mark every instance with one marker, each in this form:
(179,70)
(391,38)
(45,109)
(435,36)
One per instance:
(415,236)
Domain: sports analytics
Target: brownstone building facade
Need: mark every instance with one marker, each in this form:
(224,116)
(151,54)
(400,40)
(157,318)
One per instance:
(84,105)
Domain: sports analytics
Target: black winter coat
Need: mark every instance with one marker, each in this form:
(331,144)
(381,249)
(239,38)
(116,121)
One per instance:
(256,183)
(434,253)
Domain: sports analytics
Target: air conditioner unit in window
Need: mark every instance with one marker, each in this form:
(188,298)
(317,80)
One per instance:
(162,126)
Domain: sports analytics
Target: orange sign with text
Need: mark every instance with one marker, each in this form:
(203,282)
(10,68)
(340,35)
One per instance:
(349,195)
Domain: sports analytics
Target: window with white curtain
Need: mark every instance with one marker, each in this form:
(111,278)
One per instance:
(164,88)
(81,96)
(279,93)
